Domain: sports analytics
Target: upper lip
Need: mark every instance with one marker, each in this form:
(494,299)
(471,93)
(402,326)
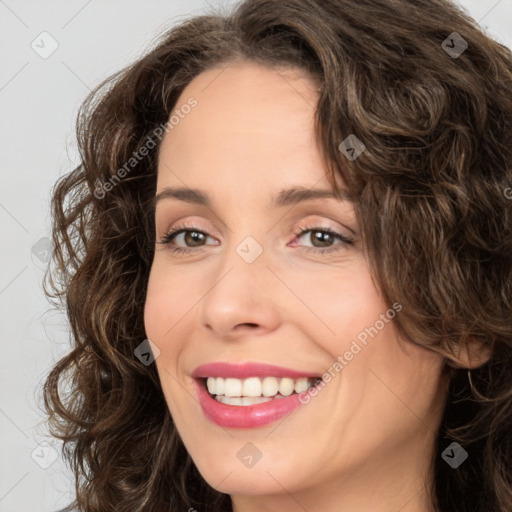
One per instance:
(245,370)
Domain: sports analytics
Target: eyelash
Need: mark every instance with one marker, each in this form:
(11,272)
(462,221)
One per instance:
(168,237)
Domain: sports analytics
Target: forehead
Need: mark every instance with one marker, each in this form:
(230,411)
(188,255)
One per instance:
(252,128)
(253,82)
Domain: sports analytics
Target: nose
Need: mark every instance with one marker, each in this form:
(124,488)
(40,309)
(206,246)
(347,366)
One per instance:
(243,299)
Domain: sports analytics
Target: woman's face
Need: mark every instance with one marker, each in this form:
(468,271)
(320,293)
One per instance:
(250,291)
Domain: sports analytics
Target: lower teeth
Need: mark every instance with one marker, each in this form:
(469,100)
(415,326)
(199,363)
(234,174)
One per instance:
(246,400)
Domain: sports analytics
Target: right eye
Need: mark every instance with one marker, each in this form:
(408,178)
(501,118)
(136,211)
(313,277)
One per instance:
(190,236)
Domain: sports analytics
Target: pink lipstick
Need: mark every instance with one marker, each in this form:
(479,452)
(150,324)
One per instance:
(278,388)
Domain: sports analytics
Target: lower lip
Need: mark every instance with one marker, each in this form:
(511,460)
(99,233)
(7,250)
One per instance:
(245,416)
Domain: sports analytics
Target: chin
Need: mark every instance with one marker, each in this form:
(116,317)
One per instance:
(256,481)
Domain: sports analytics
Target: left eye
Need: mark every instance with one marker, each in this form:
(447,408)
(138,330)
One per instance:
(325,237)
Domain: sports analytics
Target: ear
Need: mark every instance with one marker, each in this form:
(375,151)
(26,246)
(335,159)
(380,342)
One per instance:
(470,355)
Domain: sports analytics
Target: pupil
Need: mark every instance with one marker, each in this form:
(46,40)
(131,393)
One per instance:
(192,237)
(322,237)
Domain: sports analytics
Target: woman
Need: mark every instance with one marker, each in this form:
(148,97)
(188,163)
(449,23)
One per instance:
(286,259)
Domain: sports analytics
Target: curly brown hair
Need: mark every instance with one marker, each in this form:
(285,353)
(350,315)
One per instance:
(430,196)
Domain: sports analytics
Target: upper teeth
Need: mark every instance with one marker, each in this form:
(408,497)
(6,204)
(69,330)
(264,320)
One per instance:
(254,386)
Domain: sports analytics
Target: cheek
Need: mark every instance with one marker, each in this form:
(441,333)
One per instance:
(154,308)
(344,304)
(162,311)
(168,298)
(152,316)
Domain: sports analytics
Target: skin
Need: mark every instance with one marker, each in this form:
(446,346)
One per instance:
(366,441)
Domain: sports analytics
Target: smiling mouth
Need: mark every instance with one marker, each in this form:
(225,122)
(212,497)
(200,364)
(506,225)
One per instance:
(255,390)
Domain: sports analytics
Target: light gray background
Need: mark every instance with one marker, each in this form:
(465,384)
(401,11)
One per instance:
(39,99)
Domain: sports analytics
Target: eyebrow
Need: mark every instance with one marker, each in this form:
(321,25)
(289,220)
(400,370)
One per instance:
(286,197)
